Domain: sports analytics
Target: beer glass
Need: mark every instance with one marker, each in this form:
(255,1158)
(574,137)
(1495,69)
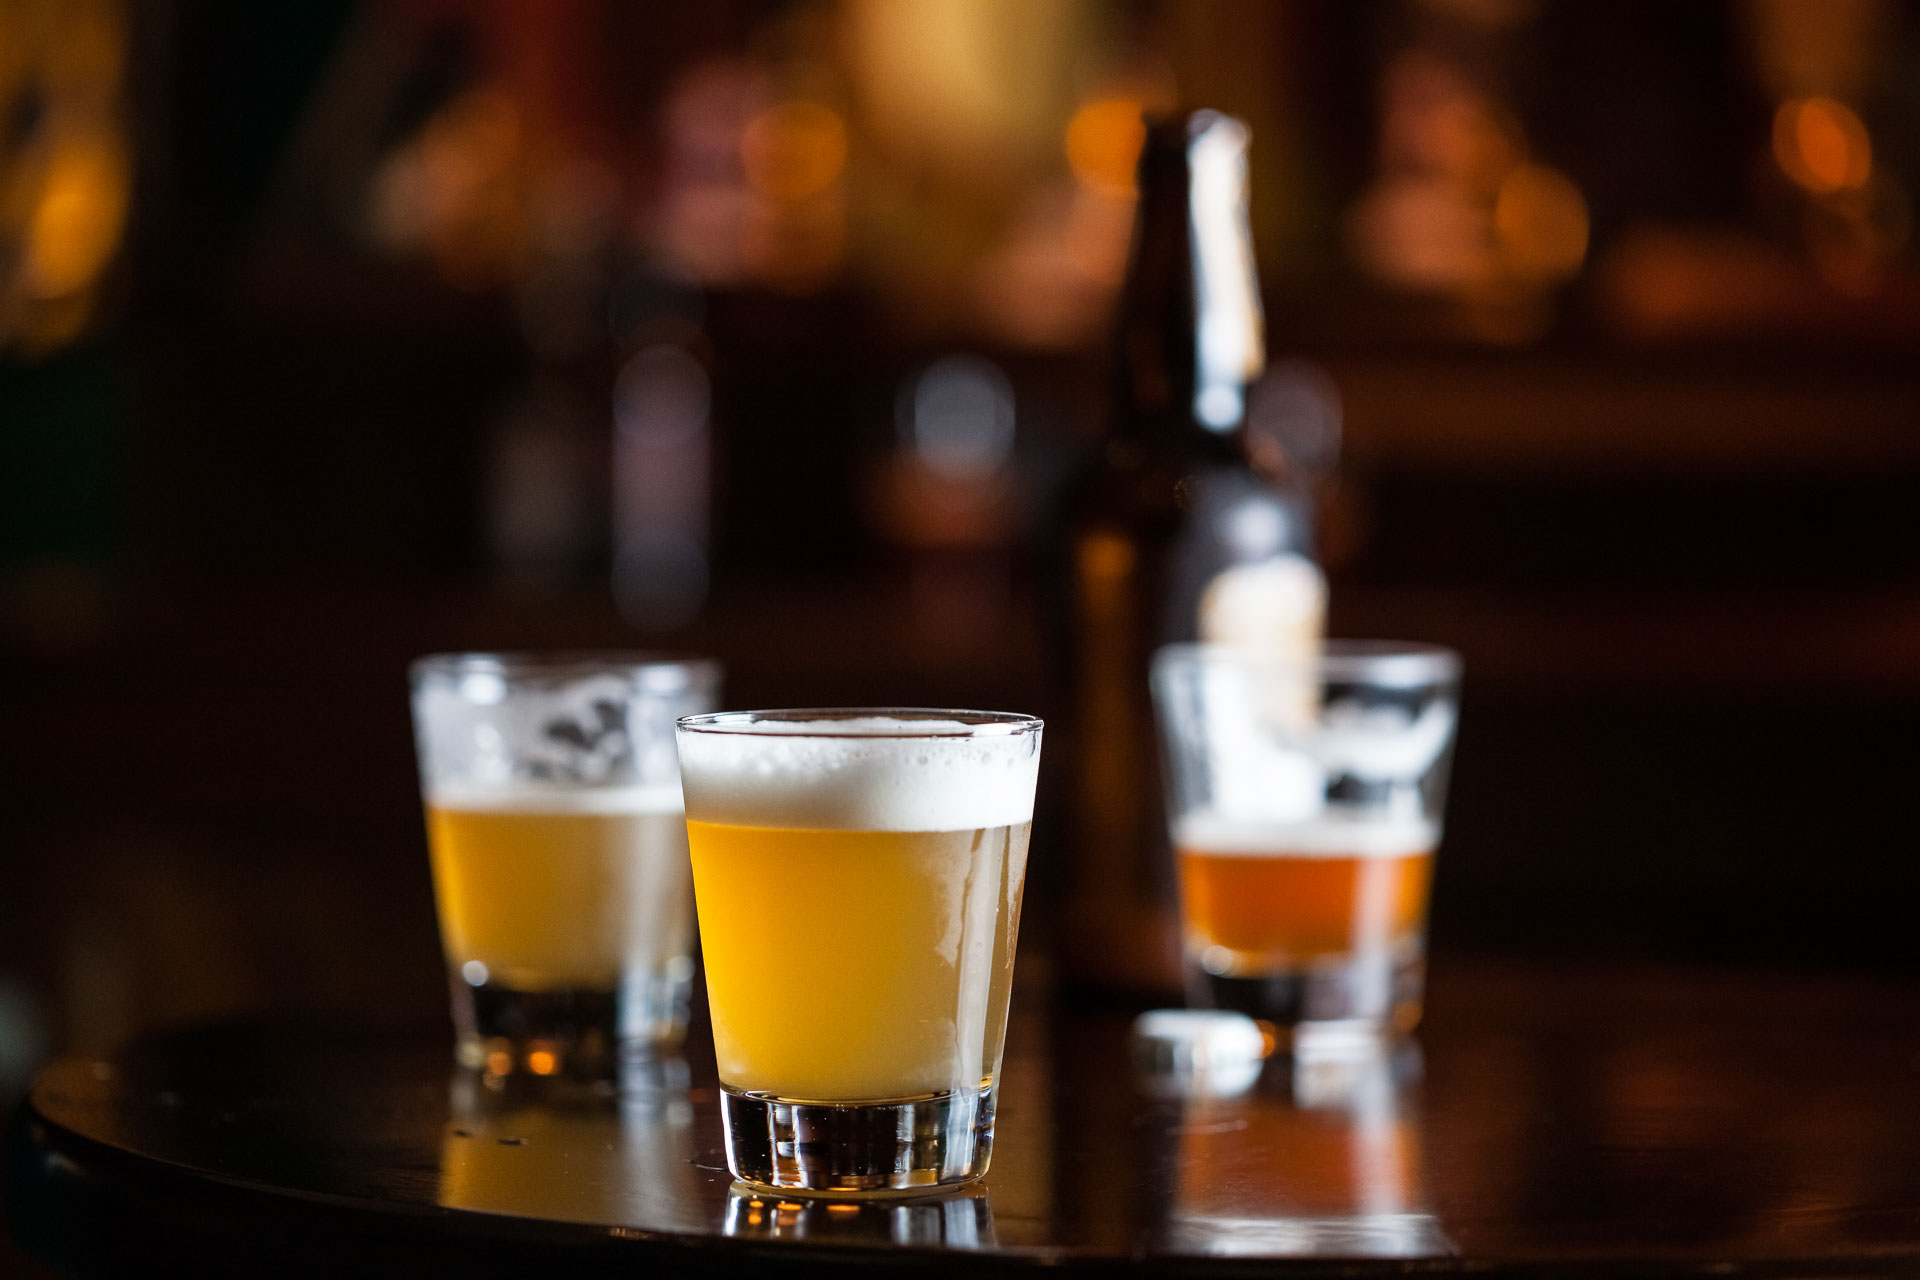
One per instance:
(1304,801)
(858,875)
(552,794)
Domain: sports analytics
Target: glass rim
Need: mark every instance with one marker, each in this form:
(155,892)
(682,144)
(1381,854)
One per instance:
(568,664)
(1400,662)
(978,724)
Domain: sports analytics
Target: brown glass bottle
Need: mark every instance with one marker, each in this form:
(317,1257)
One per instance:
(1182,527)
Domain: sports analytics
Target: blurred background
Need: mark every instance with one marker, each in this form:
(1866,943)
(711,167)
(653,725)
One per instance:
(334,333)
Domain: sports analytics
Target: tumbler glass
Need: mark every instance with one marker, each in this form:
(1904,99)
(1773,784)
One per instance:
(859,874)
(1304,801)
(554,820)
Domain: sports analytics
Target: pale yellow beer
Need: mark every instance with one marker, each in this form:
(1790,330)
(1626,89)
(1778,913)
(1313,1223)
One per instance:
(858,876)
(560,890)
(858,965)
(559,853)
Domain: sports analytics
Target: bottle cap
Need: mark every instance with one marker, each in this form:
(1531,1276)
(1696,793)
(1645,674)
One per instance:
(1198,1051)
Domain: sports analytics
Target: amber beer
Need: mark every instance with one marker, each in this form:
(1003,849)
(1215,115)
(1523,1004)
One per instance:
(858,878)
(1306,798)
(1282,900)
(1260,898)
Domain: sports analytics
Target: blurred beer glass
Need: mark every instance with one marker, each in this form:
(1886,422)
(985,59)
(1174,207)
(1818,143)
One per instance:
(1304,802)
(555,825)
(859,874)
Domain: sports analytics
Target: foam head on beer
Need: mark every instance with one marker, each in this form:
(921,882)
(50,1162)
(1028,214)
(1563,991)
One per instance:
(867,773)
(859,883)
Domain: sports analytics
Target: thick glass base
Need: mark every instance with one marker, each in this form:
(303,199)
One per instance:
(916,1146)
(1341,998)
(574,1032)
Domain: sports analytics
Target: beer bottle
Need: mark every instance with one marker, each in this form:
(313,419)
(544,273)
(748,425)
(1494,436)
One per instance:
(1183,526)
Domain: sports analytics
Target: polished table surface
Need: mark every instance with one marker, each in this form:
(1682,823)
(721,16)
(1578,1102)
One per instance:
(1547,1121)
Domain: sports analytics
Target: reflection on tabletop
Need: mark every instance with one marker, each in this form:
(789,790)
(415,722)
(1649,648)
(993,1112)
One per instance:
(1551,1118)
(961,1220)
(540,1148)
(1320,1158)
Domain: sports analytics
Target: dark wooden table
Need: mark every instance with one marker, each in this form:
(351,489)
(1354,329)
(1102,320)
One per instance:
(1550,1121)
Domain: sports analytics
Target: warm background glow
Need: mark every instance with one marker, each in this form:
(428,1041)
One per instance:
(337,331)
(66,169)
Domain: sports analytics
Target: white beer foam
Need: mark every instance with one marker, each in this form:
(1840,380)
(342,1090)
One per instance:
(861,775)
(533,798)
(1329,835)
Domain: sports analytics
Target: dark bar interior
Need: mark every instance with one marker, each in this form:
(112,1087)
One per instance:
(335,333)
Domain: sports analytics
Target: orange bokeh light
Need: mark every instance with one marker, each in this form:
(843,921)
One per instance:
(77,220)
(1821,145)
(793,150)
(1103,145)
(1541,220)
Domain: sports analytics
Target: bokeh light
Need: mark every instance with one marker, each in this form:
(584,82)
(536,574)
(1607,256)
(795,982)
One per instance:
(66,166)
(794,150)
(959,420)
(457,191)
(1103,145)
(78,219)
(662,403)
(1540,218)
(1822,145)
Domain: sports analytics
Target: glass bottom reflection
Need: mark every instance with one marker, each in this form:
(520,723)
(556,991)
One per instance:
(959,1221)
(1370,1235)
(1322,1158)
(615,1151)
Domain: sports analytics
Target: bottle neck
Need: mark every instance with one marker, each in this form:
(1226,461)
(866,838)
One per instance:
(1190,336)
